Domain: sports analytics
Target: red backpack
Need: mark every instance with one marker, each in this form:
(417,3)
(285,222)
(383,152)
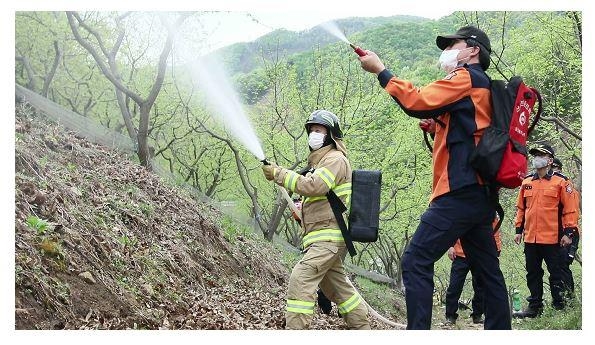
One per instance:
(500,157)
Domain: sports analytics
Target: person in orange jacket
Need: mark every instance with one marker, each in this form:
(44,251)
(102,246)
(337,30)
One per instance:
(458,273)
(457,110)
(542,196)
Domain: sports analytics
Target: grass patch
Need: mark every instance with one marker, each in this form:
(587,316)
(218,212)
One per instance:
(383,298)
(568,319)
(232,229)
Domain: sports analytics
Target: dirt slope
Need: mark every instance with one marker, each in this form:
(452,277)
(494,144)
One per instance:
(100,243)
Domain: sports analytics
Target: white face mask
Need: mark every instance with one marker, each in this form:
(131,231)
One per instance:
(315,140)
(448,59)
(540,162)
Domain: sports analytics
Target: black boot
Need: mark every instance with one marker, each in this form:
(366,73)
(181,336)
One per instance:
(324,303)
(451,319)
(558,305)
(531,312)
(477,318)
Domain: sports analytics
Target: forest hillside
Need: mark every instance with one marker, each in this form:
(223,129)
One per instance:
(103,241)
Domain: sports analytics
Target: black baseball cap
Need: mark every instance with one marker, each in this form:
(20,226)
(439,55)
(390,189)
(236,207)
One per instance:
(557,163)
(465,32)
(542,148)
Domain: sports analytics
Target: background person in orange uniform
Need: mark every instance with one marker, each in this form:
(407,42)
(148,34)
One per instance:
(541,196)
(460,204)
(458,274)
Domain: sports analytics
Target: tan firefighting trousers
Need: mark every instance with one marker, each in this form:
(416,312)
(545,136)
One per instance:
(322,265)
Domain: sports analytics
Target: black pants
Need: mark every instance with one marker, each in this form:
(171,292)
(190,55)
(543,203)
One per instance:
(466,214)
(535,254)
(458,273)
(566,273)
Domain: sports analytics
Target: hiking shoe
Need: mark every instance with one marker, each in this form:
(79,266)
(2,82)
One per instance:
(324,303)
(451,320)
(529,312)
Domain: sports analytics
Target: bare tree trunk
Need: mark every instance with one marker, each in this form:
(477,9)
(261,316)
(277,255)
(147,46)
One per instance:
(50,76)
(578,27)
(29,70)
(111,72)
(142,136)
(126,116)
(276,217)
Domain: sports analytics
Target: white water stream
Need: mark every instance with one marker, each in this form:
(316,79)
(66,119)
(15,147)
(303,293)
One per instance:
(225,104)
(334,30)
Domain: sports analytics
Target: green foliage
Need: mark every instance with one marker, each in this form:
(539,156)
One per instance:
(232,229)
(289,258)
(39,225)
(551,319)
(383,298)
(127,241)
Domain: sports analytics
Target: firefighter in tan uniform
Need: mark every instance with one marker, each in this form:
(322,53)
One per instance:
(323,244)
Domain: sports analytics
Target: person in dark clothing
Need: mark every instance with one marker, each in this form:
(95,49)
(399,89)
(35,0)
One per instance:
(460,205)
(458,274)
(567,253)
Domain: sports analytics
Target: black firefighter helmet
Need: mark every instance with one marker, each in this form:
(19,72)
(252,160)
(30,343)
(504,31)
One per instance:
(326,119)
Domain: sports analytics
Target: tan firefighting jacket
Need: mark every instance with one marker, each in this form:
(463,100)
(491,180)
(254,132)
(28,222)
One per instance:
(331,171)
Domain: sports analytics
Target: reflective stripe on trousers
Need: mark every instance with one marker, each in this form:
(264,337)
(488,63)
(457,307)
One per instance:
(301,307)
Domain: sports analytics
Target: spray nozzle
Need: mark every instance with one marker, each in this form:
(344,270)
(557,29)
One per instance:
(265,162)
(359,51)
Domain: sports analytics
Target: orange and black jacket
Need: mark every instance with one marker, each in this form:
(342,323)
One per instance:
(543,204)
(460,103)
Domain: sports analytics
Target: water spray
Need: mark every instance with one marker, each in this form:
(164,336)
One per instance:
(334,30)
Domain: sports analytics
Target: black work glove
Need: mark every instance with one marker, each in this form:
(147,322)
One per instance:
(324,303)
(569,260)
(573,247)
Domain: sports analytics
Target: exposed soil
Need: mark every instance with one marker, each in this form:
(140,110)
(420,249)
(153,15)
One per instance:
(102,243)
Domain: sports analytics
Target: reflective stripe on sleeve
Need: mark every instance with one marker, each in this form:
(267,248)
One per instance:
(343,189)
(290,180)
(327,176)
(340,190)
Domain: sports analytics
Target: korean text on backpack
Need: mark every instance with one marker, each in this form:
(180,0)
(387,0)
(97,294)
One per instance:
(364,208)
(500,157)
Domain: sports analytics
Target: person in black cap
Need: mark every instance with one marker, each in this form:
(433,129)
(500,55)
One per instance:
(546,201)
(459,204)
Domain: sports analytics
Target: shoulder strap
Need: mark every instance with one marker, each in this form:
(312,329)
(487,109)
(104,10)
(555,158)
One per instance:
(494,198)
(427,141)
(338,208)
(539,109)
